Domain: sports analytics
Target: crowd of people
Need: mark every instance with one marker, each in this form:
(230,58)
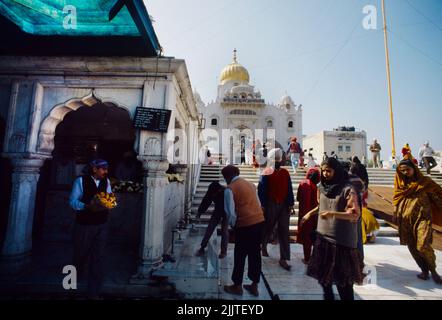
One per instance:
(299,158)
(425,158)
(333,219)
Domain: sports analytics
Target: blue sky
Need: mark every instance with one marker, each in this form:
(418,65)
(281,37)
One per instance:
(319,52)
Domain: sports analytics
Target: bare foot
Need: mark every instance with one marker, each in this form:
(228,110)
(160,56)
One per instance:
(423,276)
(436,278)
(285,265)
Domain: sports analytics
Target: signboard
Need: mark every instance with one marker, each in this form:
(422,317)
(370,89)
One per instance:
(152,119)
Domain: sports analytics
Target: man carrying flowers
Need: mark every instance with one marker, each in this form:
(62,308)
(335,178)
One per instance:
(91,217)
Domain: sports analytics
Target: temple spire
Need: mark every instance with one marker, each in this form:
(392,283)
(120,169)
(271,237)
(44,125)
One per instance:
(234,56)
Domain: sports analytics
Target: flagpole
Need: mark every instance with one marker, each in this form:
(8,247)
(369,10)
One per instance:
(387,60)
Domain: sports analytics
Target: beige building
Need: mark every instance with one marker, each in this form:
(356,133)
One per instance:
(344,141)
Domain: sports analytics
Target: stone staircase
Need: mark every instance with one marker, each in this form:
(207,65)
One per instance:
(385,177)
(210,173)
(213,173)
(201,276)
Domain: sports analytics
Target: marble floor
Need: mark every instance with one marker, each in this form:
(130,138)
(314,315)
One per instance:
(392,275)
(391,267)
(44,278)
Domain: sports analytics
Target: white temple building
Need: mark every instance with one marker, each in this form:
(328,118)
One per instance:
(240,115)
(345,142)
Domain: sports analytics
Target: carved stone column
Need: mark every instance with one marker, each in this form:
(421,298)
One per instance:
(18,241)
(152,228)
(182,170)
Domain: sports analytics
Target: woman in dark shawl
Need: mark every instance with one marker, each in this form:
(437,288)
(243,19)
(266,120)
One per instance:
(336,259)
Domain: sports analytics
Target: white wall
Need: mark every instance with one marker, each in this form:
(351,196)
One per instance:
(279,116)
(328,141)
(356,141)
(316,142)
(173,211)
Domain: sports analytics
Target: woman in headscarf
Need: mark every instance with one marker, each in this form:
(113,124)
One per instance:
(369,223)
(359,169)
(276,196)
(336,258)
(307,197)
(417,200)
(406,150)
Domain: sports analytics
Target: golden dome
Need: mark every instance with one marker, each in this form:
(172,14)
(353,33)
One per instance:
(234,72)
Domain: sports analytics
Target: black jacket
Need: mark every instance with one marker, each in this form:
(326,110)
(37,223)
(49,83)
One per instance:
(215,194)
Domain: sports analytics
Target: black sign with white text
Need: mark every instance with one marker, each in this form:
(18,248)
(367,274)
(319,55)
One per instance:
(152,119)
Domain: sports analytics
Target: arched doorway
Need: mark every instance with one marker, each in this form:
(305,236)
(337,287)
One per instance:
(241,139)
(99,130)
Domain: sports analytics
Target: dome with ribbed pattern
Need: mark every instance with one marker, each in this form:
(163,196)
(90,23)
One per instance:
(234,72)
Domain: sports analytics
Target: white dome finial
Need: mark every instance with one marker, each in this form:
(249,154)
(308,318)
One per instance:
(286,101)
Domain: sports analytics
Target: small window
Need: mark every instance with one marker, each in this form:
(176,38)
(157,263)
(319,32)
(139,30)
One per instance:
(340,149)
(290,124)
(269,123)
(214,122)
(347,148)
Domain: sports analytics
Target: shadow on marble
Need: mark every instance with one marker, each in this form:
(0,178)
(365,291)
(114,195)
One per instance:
(316,297)
(389,241)
(45,274)
(404,281)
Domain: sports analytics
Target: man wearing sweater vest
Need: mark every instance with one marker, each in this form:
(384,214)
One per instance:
(276,196)
(244,213)
(90,224)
